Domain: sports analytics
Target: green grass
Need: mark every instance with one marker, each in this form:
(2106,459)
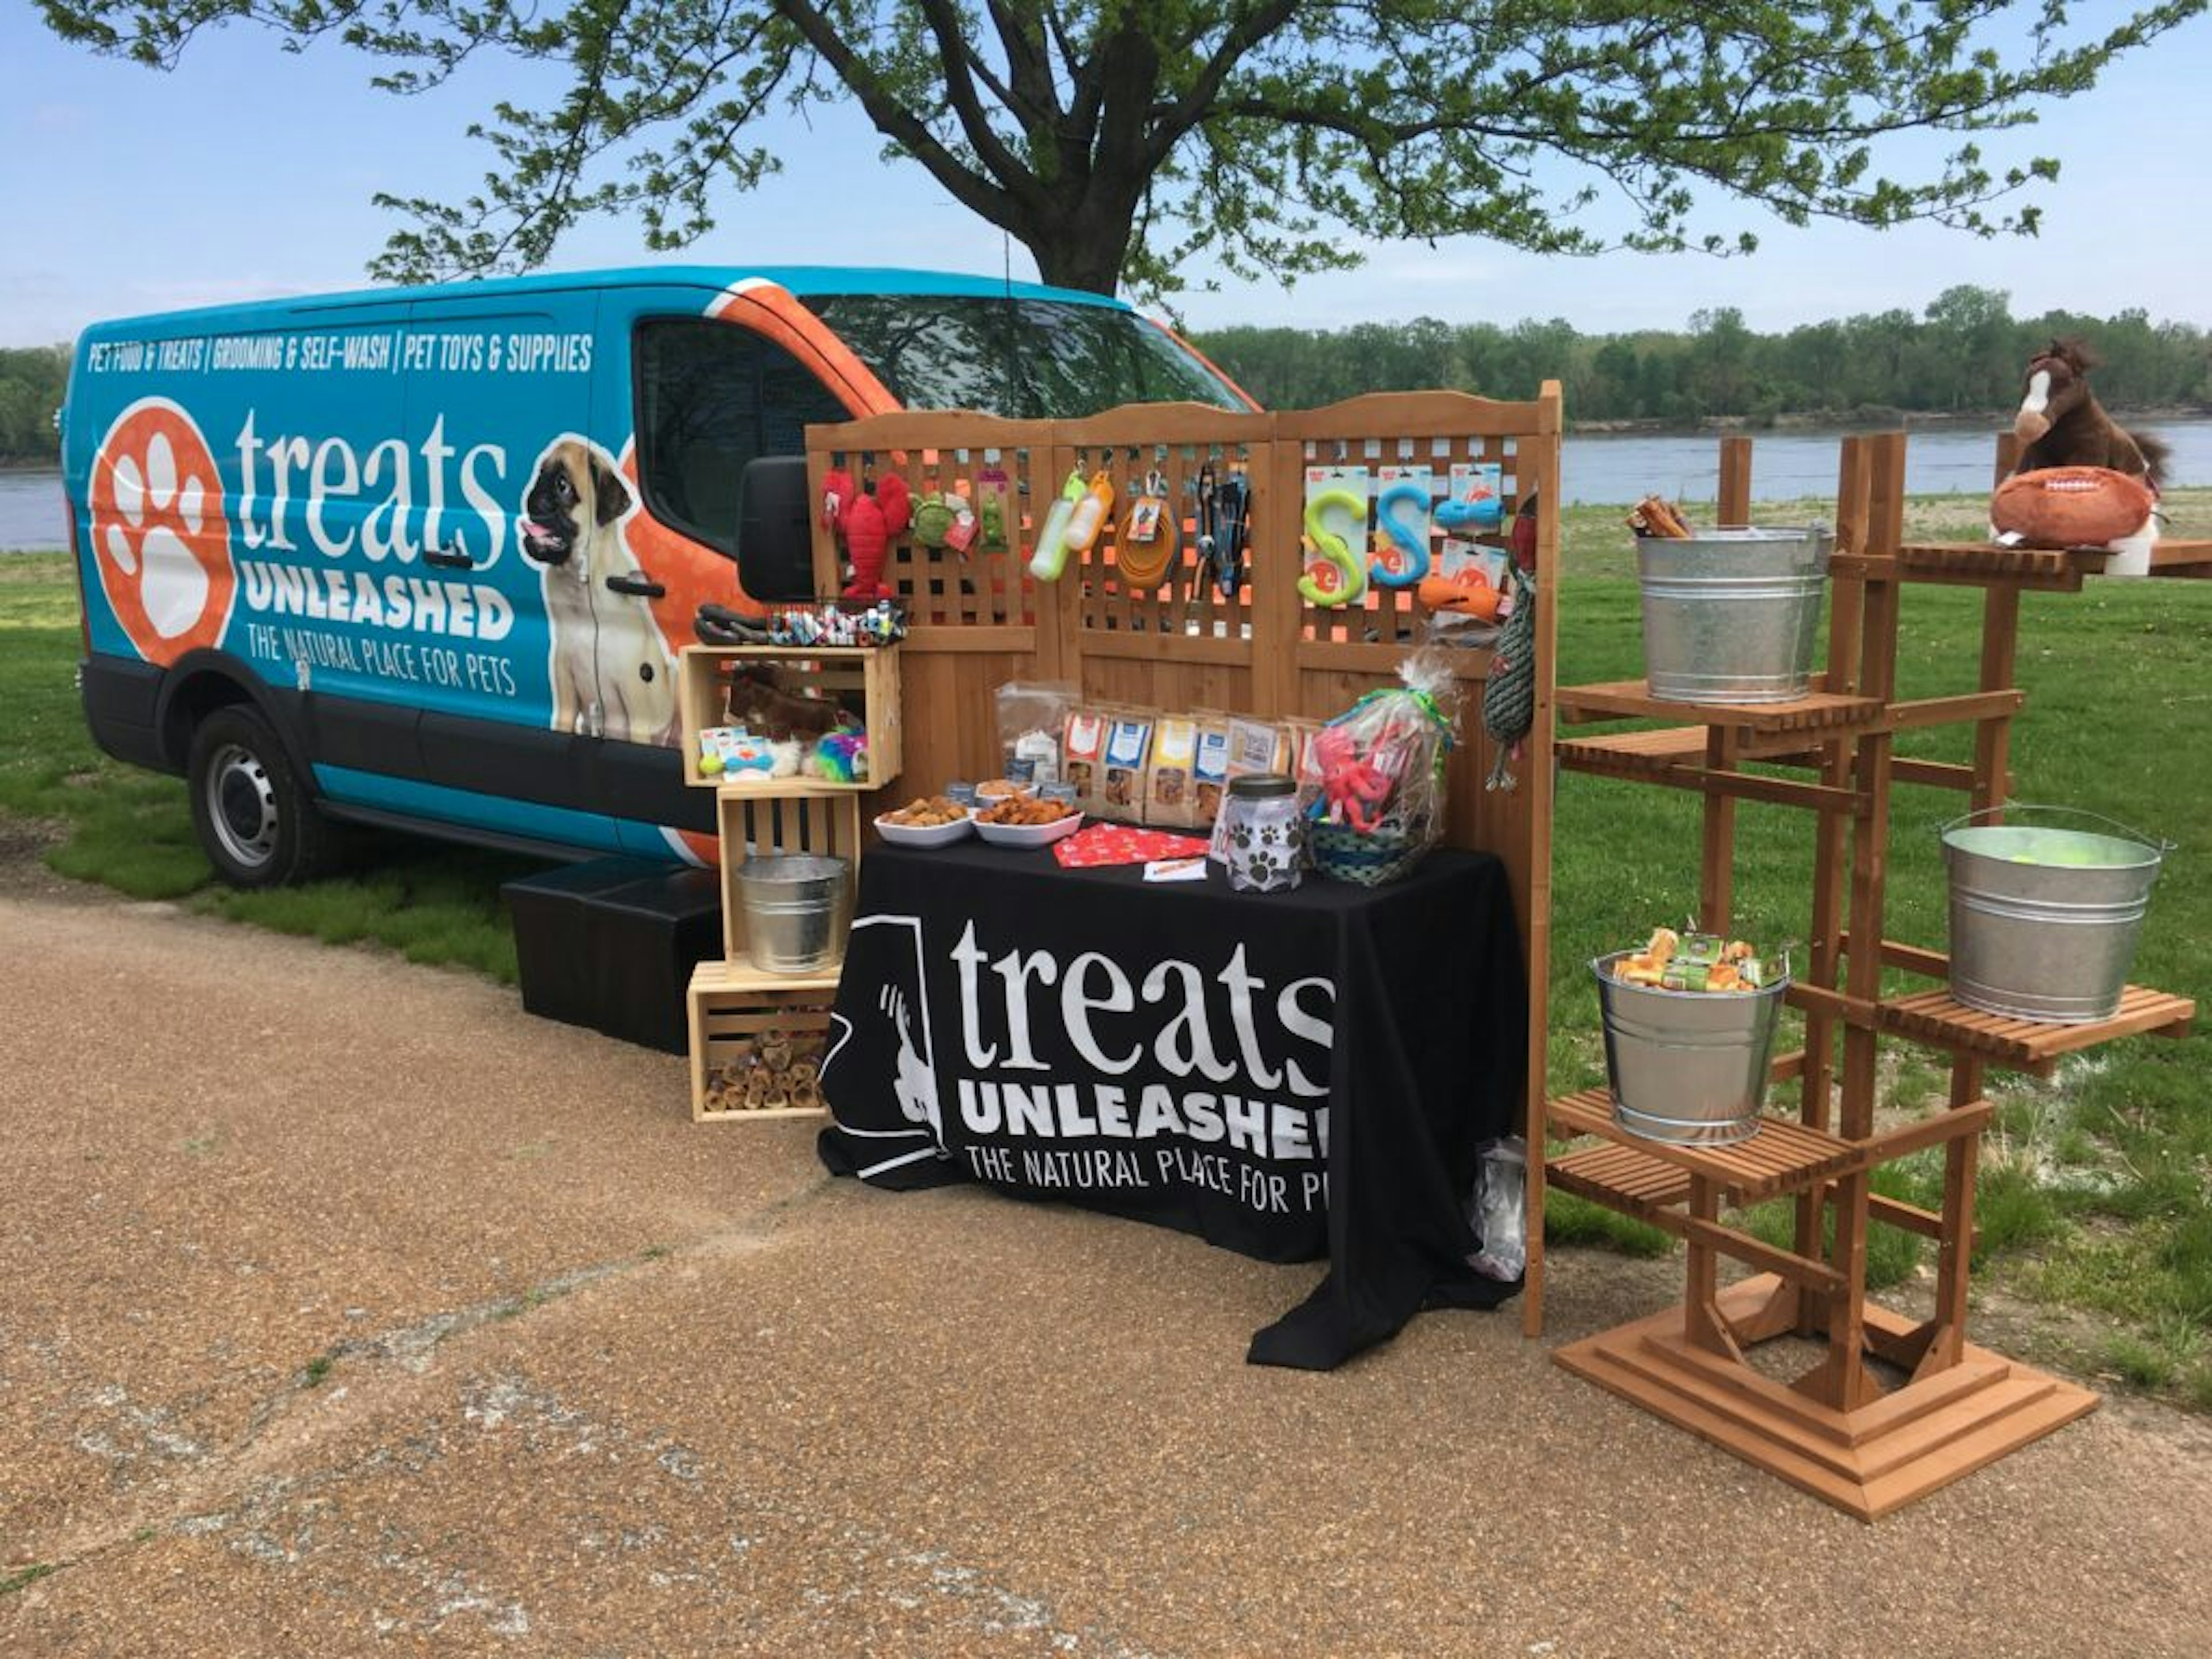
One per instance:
(2094,1194)
(24,1577)
(131,830)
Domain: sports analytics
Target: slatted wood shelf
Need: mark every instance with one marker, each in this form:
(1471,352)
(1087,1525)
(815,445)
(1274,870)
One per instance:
(1782,1157)
(1655,751)
(1816,711)
(2057,570)
(1936,1018)
(1621,1178)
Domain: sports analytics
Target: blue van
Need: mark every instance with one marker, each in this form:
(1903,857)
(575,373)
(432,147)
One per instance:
(424,557)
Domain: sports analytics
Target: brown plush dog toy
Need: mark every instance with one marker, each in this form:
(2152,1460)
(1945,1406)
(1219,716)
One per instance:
(762,707)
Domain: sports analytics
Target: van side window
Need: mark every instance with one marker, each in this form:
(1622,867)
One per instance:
(712,396)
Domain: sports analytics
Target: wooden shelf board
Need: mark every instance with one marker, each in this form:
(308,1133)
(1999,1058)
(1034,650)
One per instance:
(762,1115)
(792,653)
(1621,1178)
(1868,1463)
(771,787)
(1935,1018)
(1817,711)
(1656,750)
(2040,567)
(1782,1157)
(738,973)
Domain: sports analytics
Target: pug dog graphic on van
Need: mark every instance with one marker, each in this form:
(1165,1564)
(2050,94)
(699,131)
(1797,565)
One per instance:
(611,670)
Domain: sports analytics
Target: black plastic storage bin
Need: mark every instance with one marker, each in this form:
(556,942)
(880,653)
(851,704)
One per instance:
(610,944)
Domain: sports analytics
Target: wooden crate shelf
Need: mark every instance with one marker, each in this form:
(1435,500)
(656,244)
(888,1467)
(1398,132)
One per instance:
(864,680)
(754,821)
(1935,1018)
(1784,1156)
(1815,712)
(733,1007)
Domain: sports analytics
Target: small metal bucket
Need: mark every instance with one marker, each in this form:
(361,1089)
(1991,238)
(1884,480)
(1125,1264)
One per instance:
(2044,918)
(1732,615)
(1686,1067)
(798,908)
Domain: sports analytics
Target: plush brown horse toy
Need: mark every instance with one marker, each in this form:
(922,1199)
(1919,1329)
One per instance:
(2060,422)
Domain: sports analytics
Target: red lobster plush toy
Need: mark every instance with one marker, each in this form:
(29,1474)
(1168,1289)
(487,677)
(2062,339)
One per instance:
(1354,789)
(866,518)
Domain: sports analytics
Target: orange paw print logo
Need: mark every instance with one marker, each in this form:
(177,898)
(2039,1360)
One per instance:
(158,536)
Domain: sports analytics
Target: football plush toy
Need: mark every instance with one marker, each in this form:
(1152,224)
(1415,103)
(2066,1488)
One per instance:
(2071,506)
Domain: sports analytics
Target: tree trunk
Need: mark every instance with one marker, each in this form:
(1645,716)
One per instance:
(1090,264)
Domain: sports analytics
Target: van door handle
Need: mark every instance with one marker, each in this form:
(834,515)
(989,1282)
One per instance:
(455,557)
(639,587)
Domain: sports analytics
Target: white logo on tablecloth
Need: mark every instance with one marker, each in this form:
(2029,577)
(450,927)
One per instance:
(902,1000)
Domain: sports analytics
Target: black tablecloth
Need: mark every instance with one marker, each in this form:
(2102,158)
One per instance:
(1289,1075)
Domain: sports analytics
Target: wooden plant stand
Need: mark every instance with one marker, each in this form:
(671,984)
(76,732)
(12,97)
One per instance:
(1893,1408)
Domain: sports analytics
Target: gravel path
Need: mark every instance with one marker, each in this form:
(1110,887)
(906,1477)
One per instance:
(350,1310)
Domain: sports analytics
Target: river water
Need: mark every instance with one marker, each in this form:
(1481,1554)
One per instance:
(1595,468)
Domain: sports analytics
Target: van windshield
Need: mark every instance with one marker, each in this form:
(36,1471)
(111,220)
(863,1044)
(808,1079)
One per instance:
(1023,359)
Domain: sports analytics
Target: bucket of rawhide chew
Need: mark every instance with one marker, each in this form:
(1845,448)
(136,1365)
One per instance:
(1689,1033)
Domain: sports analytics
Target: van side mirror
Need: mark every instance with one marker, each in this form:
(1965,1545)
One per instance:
(775,550)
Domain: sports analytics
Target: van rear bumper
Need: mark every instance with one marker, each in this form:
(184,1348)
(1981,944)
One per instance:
(121,699)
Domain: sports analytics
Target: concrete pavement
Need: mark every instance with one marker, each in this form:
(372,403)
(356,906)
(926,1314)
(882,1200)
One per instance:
(350,1309)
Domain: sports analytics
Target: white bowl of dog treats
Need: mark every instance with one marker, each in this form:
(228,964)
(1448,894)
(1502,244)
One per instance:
(931,821)
(1027,821)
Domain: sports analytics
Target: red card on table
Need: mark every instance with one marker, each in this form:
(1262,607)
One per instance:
(1121,843)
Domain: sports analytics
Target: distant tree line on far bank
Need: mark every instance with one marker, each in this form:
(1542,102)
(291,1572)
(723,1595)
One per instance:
(31,382)
(1965,355)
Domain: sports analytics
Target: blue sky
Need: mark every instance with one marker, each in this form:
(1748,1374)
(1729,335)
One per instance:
(247,172)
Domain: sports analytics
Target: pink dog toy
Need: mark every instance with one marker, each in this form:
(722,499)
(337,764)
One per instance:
(1353,788)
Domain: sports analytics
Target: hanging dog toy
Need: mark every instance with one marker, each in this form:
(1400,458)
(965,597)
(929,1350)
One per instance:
(1149,545)
(1222,508)
(1091,512)
(1333,576)
(1051,556)
(1509,694)
(1401,550)
(1480,509)
(871,522)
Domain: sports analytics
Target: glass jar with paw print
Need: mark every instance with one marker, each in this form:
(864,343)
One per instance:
(1266,840)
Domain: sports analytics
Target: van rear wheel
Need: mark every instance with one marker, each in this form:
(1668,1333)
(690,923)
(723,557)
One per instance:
(255,818)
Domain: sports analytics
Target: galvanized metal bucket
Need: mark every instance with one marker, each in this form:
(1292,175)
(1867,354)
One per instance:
(1732,615)
(798,908)
(1686,1067)
(2044,917)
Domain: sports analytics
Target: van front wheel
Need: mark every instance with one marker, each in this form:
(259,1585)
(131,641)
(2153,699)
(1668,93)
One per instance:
(254,817)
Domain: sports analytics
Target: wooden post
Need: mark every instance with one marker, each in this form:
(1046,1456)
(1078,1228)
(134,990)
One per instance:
(1733,508)
(1537,777)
